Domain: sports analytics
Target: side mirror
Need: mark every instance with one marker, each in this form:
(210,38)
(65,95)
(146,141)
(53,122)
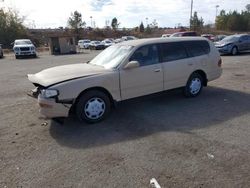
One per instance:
(132,64)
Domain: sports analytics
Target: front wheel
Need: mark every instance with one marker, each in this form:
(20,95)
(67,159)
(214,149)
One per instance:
(234,51)
(194,85)
(93,106)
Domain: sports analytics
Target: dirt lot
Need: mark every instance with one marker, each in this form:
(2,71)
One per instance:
(200,142)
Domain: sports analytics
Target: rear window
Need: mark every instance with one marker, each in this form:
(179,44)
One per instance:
(197,48)
(173,51)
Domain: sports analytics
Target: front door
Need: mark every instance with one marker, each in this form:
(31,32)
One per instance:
(145,79)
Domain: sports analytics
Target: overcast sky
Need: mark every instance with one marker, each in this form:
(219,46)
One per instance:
(168,13)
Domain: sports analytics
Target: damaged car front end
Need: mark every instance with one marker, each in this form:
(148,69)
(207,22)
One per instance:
(49,104)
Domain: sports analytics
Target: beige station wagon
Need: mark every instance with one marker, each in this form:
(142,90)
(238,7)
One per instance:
(124,71)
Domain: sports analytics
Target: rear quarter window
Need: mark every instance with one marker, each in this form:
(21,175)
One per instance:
(173,51)
(197,48)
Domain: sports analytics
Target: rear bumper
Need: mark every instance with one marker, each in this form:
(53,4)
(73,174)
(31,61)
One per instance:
(214,75)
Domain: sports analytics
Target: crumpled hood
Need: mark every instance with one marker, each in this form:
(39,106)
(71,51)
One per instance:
(63,73)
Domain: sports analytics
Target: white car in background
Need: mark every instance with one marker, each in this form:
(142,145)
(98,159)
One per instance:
(107,43)
(84,44)
(24,47)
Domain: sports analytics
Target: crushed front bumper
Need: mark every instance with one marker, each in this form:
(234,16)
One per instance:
(49,107)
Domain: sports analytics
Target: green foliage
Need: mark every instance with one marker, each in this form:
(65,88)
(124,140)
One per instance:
(11,27)
(234,21)
(196,24)
(75,21)
(141,27)
(114,23)
(148,30)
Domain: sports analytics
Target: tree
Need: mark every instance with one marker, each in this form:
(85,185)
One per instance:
(154,24)
(248,7)
(196,24)
(75,22)
(114,23)
(141,27)
(11,27)
(234,21)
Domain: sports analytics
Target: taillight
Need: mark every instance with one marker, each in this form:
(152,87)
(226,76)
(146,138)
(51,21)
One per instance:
(219,63)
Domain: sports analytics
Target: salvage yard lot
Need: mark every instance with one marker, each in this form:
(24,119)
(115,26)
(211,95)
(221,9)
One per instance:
(199,142)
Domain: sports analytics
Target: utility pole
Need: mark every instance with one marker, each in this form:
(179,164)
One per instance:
(191,13)
(147,21)
(216,7)
(91,21)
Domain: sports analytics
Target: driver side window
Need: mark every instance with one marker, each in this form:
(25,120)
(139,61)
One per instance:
(146,55)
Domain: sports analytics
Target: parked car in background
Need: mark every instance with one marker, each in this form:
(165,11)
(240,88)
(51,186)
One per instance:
(107,43)
(24,47)
(96,45)
(1,51)
(84,44)
(124,71)
(219,37)
(118,40)
(165,35)
(209,37)
(184,34)
(125,38)
(234,44)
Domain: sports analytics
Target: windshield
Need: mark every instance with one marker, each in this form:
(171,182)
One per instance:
(230,39)
(176,35)
(23,42)
(112,56)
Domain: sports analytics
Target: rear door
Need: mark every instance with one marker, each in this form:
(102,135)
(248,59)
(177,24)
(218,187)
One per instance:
(177,67)
(248,42)
(243,43)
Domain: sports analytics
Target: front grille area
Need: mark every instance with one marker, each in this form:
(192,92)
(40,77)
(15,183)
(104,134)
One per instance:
(24,48)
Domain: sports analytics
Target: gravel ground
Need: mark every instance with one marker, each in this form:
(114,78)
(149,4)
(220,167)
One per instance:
(199,142)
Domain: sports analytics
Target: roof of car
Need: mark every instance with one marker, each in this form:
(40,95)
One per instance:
(22,40)
(159,40)
(241,34)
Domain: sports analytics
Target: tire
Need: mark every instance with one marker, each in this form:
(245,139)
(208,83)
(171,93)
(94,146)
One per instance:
(194,85)
(234,50)
(93,106)
(17,57)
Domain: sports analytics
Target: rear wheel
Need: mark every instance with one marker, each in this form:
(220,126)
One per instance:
(234,50)
(194,85)
(93,106)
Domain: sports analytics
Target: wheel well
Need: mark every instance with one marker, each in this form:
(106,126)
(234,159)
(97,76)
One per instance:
(203,75)
(90,89)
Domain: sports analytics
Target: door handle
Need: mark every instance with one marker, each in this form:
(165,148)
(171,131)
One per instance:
(190,64)
(157,70)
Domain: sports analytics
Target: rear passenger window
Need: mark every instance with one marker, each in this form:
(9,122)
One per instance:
(197,48)
(173,51)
